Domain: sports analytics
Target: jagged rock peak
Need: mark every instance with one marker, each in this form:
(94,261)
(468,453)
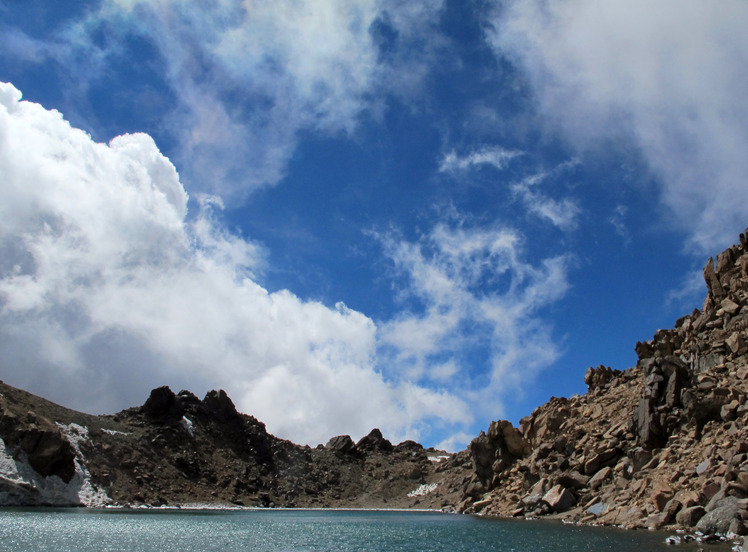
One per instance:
(160,402)
(374,441)
(342,444)
(600,376)
(220,405)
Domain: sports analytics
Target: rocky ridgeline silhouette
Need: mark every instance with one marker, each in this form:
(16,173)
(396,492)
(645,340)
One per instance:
(662,444)
(179,450)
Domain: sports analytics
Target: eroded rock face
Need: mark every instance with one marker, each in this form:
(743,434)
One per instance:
(220,405)
(49,453)
(653,446)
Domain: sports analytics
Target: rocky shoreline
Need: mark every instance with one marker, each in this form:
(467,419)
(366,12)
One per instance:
(662,445)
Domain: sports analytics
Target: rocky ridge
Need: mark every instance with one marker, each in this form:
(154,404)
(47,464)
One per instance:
(662,444)
(179,450)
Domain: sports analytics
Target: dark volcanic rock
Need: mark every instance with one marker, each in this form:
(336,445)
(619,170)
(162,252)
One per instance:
(220,406)
(374,441)
(177,449)
(342,444)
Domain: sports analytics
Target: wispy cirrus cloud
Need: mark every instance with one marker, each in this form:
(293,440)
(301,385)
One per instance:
(244,78)
(475,318)
(494,156)
(562,213)
(669,80)
(618,220)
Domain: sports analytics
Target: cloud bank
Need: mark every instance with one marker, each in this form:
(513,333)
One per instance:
(668,78)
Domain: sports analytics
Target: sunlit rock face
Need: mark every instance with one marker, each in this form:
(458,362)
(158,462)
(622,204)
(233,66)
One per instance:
(661,444)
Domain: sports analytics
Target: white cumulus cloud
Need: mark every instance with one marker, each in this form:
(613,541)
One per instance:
(108,289)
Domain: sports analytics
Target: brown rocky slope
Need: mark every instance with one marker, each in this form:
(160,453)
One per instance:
(661,444)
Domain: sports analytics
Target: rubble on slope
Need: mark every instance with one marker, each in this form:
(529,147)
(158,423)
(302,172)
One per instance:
(662,444)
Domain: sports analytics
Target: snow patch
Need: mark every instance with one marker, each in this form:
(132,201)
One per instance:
(80,485)
(114,432)
(187,425)
(440,458)
(8,468)
(423,490)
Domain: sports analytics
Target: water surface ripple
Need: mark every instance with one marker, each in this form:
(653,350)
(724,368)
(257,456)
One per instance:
(81,530)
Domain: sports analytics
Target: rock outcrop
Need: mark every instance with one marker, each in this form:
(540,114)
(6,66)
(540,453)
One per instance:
(177,449)
(661,444)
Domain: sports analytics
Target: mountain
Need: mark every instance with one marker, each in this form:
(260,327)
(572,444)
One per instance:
(662,444)
(177,449)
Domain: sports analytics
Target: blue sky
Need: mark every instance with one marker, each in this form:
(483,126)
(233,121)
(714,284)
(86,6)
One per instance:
(419,216)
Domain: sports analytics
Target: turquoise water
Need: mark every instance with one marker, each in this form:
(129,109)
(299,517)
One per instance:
(77,530)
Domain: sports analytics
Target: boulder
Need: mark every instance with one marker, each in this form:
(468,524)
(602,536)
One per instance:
(737,344)
(374,441)
(559,499)
(504,432)
(608,456)
(729,306)
(719,520)
(688,517)
(573,480)
(409,446)
(342,444)
(600,477)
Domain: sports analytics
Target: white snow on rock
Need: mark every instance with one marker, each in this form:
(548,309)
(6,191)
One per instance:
(115,432)
(187,425)
(20,482)
(423,490)
(87,493)
(440,458)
